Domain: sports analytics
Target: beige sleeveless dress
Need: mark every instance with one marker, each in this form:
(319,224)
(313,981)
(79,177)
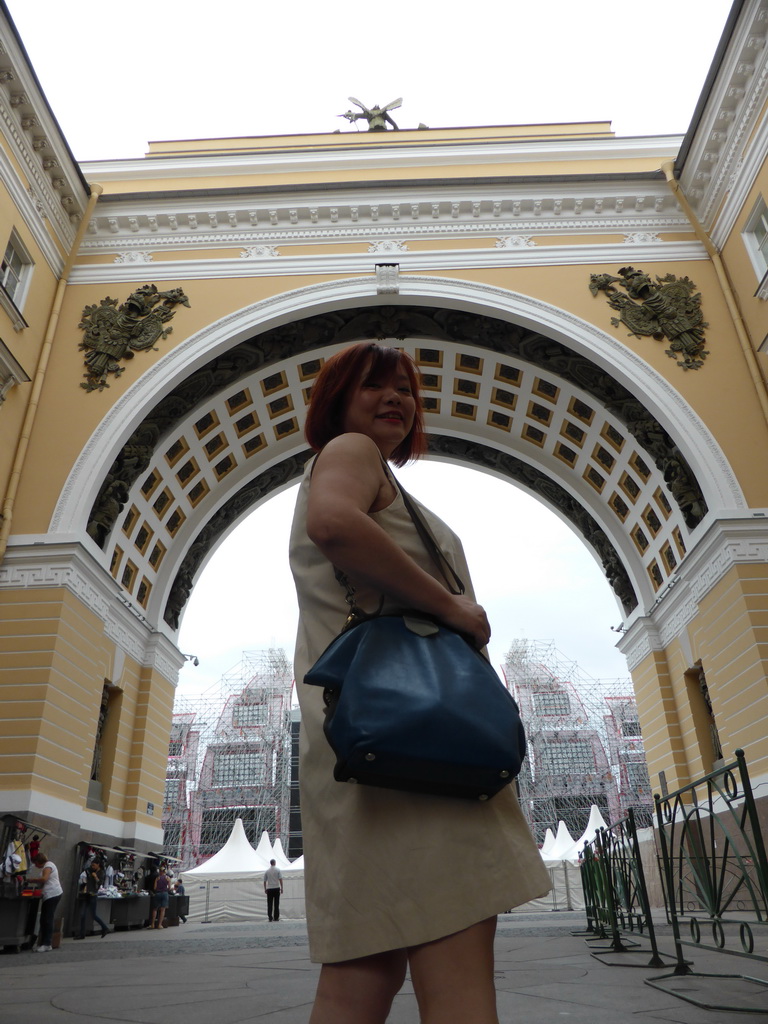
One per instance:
(383,869)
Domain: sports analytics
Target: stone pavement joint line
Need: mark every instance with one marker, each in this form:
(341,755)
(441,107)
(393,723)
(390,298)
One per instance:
(260,972)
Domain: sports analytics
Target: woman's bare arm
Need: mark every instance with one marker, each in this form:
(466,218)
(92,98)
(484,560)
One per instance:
(347,483)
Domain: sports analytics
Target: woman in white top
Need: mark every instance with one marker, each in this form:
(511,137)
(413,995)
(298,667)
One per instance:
(52,892)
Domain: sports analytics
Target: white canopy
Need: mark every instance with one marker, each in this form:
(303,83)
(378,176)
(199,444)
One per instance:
(549,840)
(595,822)
(563,848)
(237,859)
(279,856)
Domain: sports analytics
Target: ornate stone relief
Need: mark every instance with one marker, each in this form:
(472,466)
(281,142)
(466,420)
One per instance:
(641,238)
(255,251)
(387,245)
(515,242)
(115,332)
(136,256)
(667,308)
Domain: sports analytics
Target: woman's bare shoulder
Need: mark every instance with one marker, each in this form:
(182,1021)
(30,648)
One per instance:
(352,444)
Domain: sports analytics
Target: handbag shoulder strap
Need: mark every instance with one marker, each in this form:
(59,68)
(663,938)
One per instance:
(447,571)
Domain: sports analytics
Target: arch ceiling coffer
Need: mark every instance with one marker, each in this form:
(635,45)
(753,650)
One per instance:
(497,396)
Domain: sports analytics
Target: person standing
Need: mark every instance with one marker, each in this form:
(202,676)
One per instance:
(52,890)
(273,887)
(368,920)
(161,898)
(94,878)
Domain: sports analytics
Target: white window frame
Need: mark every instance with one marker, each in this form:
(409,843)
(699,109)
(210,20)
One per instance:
(11,371)
(757,246)
(12,299)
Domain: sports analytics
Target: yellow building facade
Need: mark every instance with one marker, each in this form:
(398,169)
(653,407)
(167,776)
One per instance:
(498,257)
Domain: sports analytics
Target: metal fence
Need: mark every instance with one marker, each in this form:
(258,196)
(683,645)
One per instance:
(714,873)
(616,896)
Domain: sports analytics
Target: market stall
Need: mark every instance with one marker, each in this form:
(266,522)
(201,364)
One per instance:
(19,905)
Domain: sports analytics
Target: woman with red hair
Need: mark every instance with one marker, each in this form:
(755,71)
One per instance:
(394,880)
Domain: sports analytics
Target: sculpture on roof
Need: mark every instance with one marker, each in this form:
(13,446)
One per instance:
(669,307)
(377,117)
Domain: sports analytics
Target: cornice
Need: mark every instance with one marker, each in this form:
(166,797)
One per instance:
(34,135)
(428,208)
(33,211)
(31,563)
(738,97)
(723,544)
(365,263)
(754,160)
(337,157)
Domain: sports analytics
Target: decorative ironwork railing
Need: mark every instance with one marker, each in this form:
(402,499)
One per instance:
(615,891)
(714,872)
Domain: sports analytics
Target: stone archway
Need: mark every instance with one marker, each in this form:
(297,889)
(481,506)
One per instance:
(499,395)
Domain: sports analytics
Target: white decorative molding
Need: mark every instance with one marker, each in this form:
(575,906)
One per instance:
(387,245)
(320,231)
(135,256)
(641,238)
(724,134)
(57,565)
(258,251)
(515,242)
(725,543)
(11,371)
(386,278)
(421,261)
(347,219)
(411,149)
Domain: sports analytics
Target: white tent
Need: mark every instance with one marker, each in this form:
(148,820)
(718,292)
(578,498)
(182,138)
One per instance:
(549,840)
(595,822)
(563,848)
(236,860)
(231,883)
(279,856)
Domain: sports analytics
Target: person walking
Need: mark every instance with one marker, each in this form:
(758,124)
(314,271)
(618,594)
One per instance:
(273,887)
(52,891)
(94,879)
(369,920)
(180,892)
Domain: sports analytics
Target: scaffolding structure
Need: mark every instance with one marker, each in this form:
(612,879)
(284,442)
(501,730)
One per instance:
(584,742)
(229,757)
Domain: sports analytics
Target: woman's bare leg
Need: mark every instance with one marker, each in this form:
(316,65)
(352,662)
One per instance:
(359,991)
(453,977)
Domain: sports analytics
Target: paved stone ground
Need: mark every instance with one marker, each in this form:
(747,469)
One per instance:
(233,973)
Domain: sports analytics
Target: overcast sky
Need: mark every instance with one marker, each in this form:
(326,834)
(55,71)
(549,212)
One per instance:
(120,75)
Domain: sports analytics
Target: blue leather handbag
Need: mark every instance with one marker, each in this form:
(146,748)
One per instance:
(412,705)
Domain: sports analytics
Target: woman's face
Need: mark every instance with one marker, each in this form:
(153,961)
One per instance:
(382,406)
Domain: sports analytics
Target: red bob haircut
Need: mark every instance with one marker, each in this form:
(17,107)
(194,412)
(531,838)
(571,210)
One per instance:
(342,372)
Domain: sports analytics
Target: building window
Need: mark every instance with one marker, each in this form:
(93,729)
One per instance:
(551,702)
(15,271)
(756,240)
(240,768)
(570,757)
(250,715)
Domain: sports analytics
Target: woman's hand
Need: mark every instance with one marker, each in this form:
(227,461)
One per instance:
(469,618)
